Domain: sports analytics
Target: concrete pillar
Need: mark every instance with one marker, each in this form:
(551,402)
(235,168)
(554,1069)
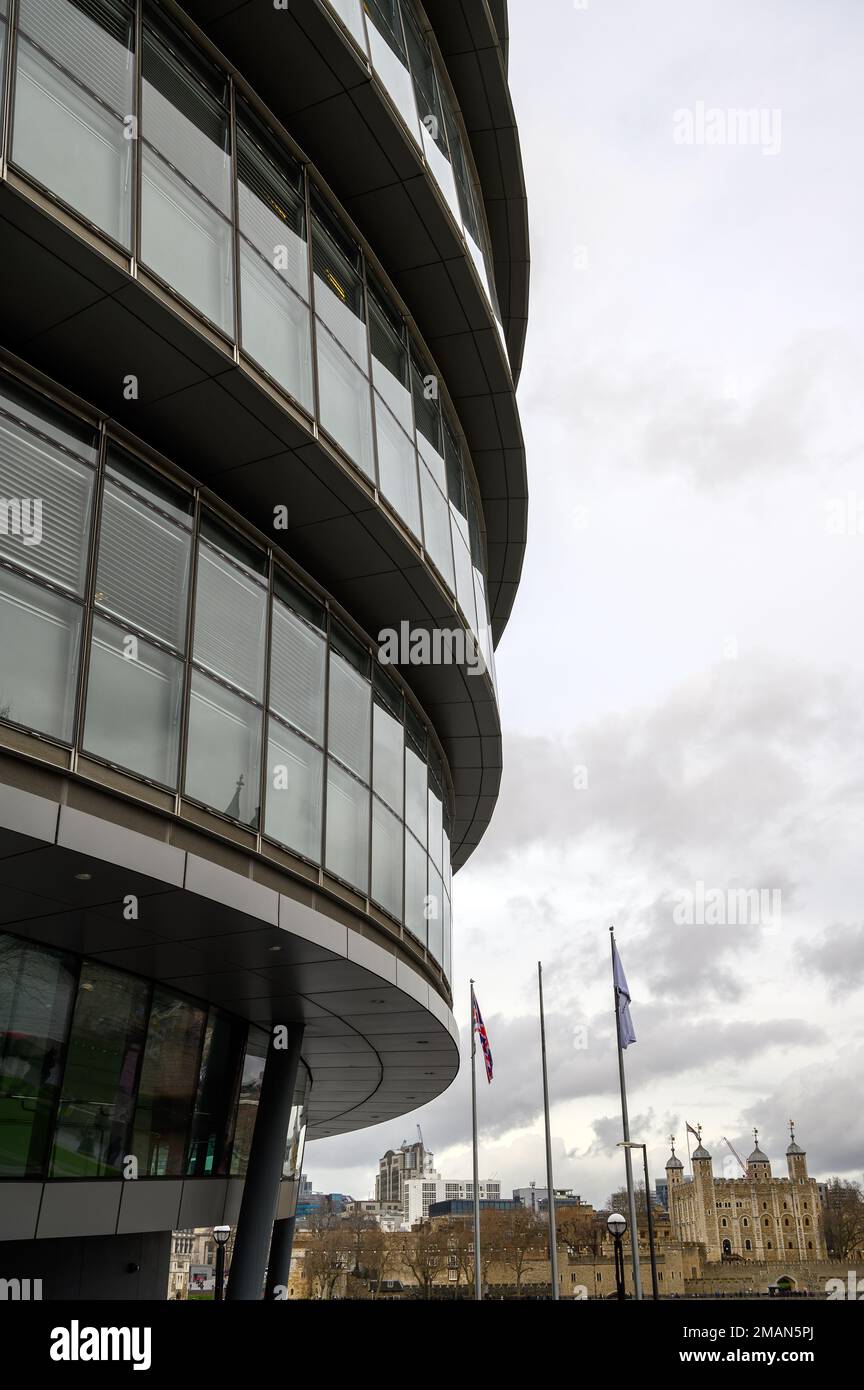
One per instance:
(279,1264)
(266,1159)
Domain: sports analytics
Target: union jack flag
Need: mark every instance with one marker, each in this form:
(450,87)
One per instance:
(480,1029)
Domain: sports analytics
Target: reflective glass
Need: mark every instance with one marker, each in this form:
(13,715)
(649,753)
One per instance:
(297,661)
(415,888)
(435,916)
(390,363)
(387,757)
(247,1107)
(274,273)
(230,620)
(46,490)
(74,103)
(416,785)
(134,701)
(347,853)
(104,1053)
(350,12)
(429,109)
(36,991)
(169,1074)
(216,1100)
(427,414)
(447,962)
(186,234)
(223,756)
(294,791)
(4,42)
(436,811)
(397,467)
(387,837)
(350,713)
(464,577)
(339,294)
(40,635)
(345,408)
(144,558)
(387,46)
(436,527)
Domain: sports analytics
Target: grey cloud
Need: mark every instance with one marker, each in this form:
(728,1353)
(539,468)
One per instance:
(838,957)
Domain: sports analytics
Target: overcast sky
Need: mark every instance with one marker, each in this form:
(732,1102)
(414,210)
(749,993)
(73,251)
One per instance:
(688,636)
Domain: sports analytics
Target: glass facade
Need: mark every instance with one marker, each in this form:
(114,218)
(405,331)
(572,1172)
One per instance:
(237,689)
(98,1068)
(221,216)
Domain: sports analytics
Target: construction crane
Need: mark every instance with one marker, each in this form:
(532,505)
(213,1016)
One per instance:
(736,1153)
(420,1137)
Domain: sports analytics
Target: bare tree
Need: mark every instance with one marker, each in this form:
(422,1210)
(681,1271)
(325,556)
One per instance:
(843,1218)
(517,1236)
(380,1256)
(425,1253)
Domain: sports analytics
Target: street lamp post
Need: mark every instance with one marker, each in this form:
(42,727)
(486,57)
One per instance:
(629,1144)
(617,1226)
(221,1235)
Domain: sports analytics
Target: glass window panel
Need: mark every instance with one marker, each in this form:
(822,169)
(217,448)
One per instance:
(166,1091)
(436,527)
(464,577)
(297,657)
(435,916)
(397,467)
(274,275)
(415,888)
(97,1100)
(143,569)
(416,784)
(4,41)
(345,408)
(223,756)
(436,826)
(294,790)
(387,47)
(74,95)
(247,1108)
(186,234)
(216,1101)
(387,853)
(387,757)
(390,364)
(427,414)
(430,111)
(134,701)
(347,853)
(46,498)
(339,296)
(40,635)
(350,12)
(350,713)
(230,621)
(36,991)
(447,962)
(446,855)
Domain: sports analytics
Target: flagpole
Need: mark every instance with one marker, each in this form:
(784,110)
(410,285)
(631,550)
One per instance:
(631,1195)
(550,1188)
(478,1286)
(687,1135)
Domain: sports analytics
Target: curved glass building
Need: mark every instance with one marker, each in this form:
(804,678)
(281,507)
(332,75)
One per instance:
(262,516)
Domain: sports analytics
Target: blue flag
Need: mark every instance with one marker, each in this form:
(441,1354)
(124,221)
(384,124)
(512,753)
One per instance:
(622,994)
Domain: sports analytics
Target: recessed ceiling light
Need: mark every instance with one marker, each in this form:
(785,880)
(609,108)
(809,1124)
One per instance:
(84,878)
(422,1042)
(274,948)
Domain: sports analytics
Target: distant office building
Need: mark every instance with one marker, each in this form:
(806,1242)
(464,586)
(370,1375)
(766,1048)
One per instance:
(464,1207)
(536,1198)
(418,1195)
(386,1215)
(397,1166)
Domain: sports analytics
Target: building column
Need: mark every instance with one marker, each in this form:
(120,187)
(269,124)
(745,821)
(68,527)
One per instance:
(266,1161)
(279,1263)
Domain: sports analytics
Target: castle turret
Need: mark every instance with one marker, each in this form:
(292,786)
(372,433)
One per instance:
(796,1158)
(674,1168)
(758,1164)
(703,1170)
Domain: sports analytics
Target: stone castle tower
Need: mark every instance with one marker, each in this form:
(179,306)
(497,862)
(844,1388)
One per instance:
(755,1216)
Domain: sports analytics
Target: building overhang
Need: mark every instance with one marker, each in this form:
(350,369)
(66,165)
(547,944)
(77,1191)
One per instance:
(378,1040)
(319,85)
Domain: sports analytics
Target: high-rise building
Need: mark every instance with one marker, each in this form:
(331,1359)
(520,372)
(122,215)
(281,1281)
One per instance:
(397,1166)
(418,1194)
(262,517)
